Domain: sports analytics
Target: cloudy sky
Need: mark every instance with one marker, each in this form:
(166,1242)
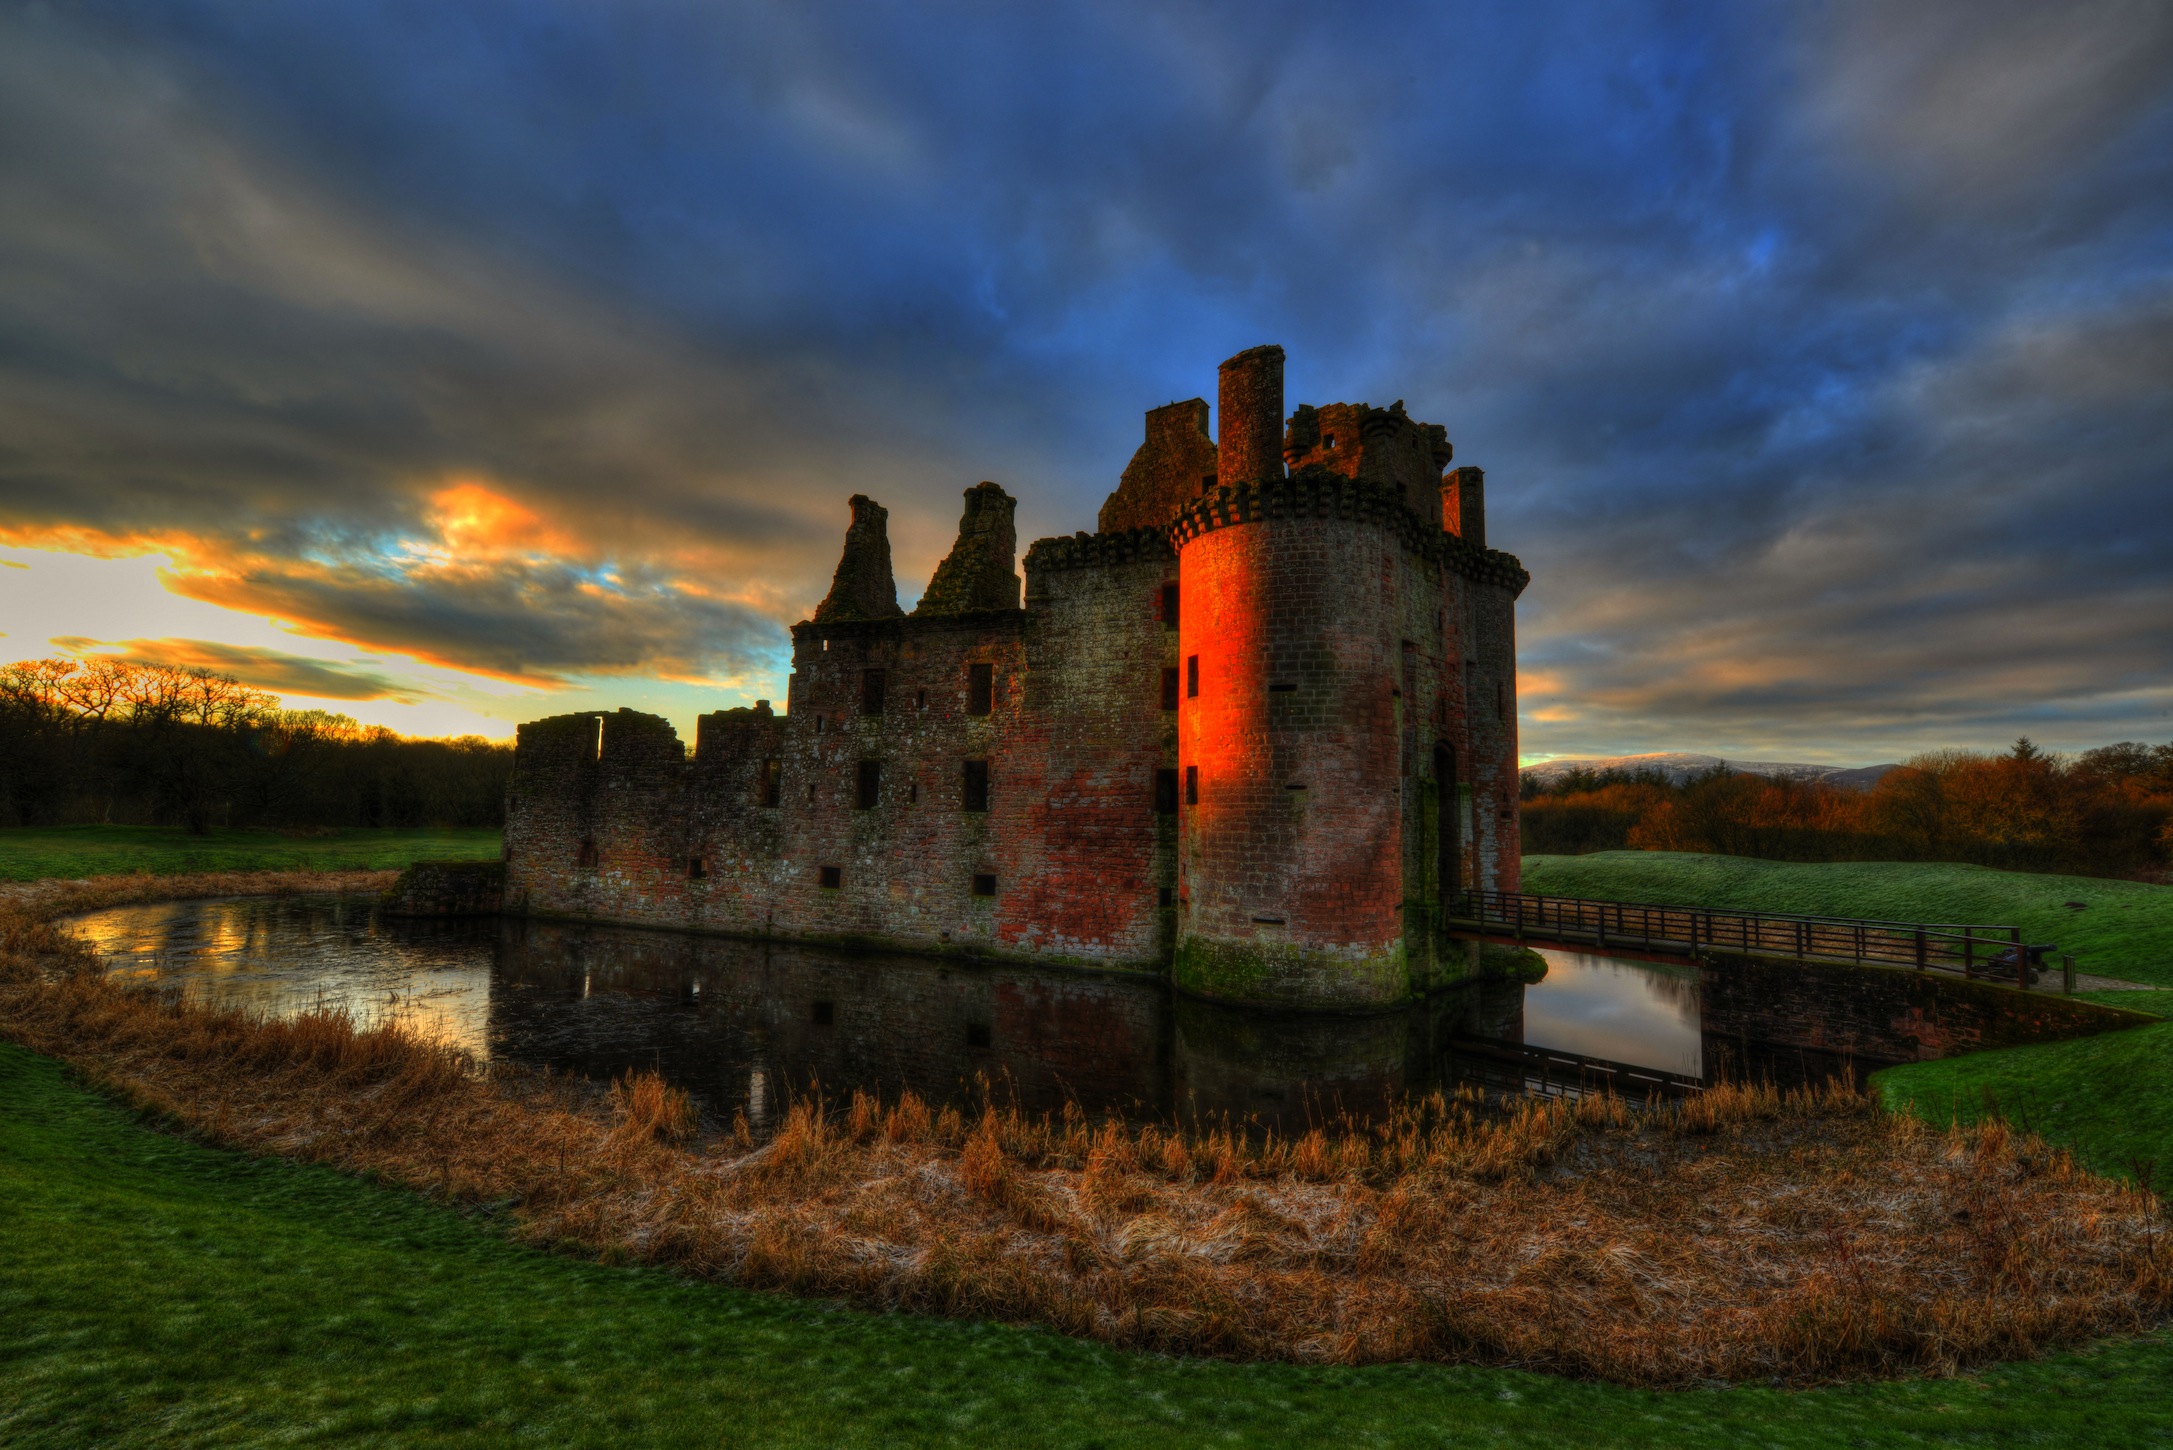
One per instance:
(454,363)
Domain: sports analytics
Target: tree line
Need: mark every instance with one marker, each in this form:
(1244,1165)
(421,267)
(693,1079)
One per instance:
(2105,812)
(109,740)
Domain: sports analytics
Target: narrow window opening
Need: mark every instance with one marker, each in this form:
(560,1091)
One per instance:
(1327,440)
(1165,792)
(871,692)
(826,646)
(818,724)
(1164,896)
(920,699)
(830,878)
(1169,688)
(773,782)
(1281,689)
(694,869)
(1169,606)
(912,792)
(585,854)
(1192,677)
(984,884)
(1267,921)
(980,689)
(823,1014)
(977,1034)
(811,792)
(1207,483)
(869,792)
(975,796)
(1192,785)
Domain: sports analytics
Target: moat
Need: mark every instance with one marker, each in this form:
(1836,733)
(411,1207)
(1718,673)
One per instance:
(742,1025)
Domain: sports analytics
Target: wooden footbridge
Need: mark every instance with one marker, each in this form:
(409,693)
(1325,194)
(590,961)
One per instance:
(1634,929)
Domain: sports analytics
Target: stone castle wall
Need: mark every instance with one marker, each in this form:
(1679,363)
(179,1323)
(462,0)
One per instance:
(1049,783)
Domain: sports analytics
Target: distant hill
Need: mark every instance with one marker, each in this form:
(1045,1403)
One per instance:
(1677,765)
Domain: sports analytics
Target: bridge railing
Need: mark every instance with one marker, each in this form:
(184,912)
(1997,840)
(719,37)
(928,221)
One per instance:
(1977,951)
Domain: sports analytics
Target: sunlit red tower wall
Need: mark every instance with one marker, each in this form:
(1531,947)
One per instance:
(1346,731)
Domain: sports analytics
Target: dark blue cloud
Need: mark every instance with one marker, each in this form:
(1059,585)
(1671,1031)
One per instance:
(1818,353)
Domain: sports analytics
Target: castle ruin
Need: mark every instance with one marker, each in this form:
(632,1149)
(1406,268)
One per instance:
(1254,732)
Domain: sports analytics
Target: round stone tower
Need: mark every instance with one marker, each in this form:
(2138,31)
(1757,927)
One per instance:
(1291,860)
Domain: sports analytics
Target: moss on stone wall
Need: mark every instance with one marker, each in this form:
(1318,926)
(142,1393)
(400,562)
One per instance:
(1269,975)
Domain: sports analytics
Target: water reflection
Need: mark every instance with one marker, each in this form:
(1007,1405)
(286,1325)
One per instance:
(745,1025)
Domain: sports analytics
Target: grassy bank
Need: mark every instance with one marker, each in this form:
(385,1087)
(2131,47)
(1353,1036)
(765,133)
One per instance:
(2124,929)
(2109,1098)
(165,1292)
(34,853)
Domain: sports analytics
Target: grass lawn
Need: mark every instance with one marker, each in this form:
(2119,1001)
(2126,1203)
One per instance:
(156,1291)
(2125,928)
(33,853)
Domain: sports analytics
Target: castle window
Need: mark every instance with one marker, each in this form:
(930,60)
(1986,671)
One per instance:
(870,791)
(975,797)
(1192,785)
(830,878)
(920,699)
(1327,440)
(823,1014)
(1282,689)
(1169,606)
(1207,483)
(585,854)
(1163,896)
(773,782)
(912,792)
(980,689)
(1169,688)
(984,884)
(977,1034)
(1165,792)
(871,692)
(1192,677)
(694,869)
(818,724)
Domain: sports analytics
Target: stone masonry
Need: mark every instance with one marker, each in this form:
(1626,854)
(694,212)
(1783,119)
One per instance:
(1252,733)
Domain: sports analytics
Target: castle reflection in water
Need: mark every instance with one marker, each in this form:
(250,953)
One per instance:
(745,1025)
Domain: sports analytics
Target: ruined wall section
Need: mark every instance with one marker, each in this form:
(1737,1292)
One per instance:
(1174,466)
(1383,446)
(595,814)
(1102,882)
(738,840)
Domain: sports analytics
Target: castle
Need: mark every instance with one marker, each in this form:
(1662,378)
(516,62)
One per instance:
(1256,731)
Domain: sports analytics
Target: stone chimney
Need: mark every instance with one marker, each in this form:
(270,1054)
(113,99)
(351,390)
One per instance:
(863,587)
(1463,505)
(981,571)
(1249,417)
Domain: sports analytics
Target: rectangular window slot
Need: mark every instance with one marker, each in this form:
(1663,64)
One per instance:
(871,692)
(980,689)
(975,795)
(977,1034)
(1192,677)
(1169,688)
(811,792)
(1165,792)
(818,724)
(823,1014)
(694,869)
(912,792)
(1164,895)
(1327,440)
(870,785)
(1267,921)
(1281,689)
(1294,785)
(773,782)
(1169,606)
(585,854)
(984,885)
(830,878)
(1192,785)
(920,699)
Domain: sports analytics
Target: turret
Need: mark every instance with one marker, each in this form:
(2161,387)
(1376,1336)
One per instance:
(981,571)
(863,587)
(1249,417)
(1463,505)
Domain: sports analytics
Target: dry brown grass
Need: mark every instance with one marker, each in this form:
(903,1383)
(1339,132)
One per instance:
(1741,1234)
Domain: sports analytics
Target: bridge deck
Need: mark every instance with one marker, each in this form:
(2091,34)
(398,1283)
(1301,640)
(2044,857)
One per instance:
(1636,928)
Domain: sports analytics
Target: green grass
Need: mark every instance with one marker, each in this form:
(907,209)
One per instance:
(33,853)
(2124,930)
(154,1291)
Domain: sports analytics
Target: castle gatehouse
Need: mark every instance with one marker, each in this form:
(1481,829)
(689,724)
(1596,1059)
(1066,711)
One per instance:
(1254,732)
